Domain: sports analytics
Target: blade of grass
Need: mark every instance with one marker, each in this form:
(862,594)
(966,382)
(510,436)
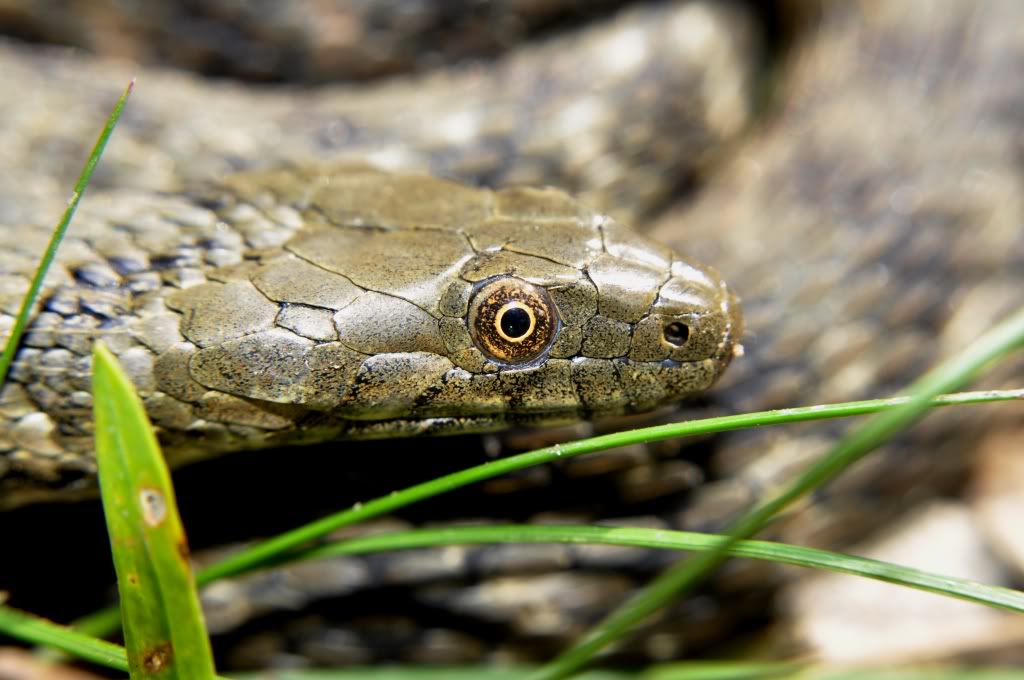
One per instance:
(725,670)
(36,630)
(921,673)
(267,551)
(947,376)
(106,621)
(418,673)
(687,670)
(163,624)
(32,629)
(28,302)
(994,596)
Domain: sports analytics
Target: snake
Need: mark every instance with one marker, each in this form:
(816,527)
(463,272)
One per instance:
(869,222)
(352,303)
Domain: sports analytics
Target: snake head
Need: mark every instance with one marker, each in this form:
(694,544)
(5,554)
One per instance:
(403,305)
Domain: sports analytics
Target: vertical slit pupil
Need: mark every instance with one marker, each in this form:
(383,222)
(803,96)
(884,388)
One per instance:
(515,322)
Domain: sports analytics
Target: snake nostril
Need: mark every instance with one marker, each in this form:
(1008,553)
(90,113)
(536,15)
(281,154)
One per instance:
(676,333)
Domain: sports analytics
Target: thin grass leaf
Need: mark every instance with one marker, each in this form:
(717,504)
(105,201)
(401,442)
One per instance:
(33,629)
(420,673)
(689,670)
(271,550)
(28,302)
(994,596)
(663,539)
(106,621)
(948,376)
(925,673)
(163,624)
(724,670)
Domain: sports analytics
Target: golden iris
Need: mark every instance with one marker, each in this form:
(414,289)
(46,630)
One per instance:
(512,321)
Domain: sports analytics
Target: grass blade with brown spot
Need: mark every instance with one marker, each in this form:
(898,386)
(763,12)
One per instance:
(163,626)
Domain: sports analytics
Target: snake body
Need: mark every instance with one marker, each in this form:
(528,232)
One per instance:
(871,224)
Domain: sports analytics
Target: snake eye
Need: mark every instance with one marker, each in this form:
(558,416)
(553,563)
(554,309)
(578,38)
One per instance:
(676,333)
(511,321)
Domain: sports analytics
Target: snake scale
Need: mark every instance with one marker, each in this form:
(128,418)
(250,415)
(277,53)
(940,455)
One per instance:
(870,222)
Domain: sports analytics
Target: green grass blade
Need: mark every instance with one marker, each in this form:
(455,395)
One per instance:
(163,625)
(35,630)
(994,596)
(419,673)
(921,673)
(32,629)
(271,550)
(105,621)
(687,670)
(27,303)
(946,377)
(725,670)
